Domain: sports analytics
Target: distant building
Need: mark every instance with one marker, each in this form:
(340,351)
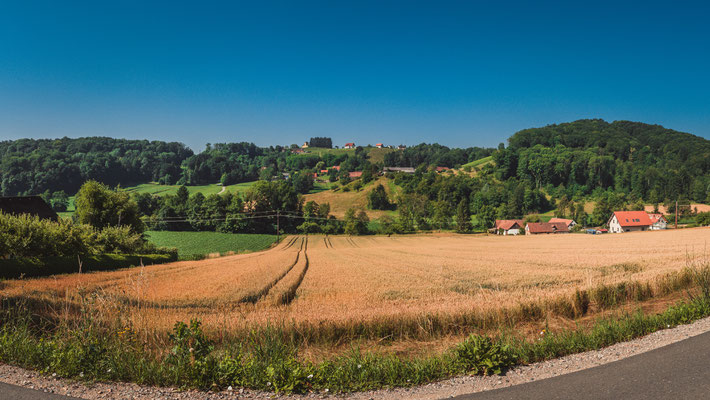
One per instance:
(569,222)
(31,205)
(406,170)
(658,221)
(379,145)
(401,147)
(297,151)
(442,169)
(355,174)
(538,228)
(629,221)
(305,145)
(508,226)
(349,146)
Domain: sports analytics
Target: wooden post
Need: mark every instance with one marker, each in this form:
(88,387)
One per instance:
(278,226)
(676,214)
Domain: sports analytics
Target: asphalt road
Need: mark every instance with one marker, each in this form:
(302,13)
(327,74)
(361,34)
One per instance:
(20,393)
(677,371)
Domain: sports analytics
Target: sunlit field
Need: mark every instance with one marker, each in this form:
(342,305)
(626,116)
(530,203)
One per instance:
(330,290)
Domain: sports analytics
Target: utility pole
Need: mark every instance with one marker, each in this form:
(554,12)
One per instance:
(278,226)
(676,214)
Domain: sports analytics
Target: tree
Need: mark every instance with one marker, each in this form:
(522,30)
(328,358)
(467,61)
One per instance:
(302,182)
(463,217)
(356,222)
(377,199)
(99,206)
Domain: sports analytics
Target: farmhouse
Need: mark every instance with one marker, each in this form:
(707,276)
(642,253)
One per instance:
(629,221)
(349,146)
(305,145)
(508,226)
(442,169)
(569,222)
(658,221)
(539,228)
(401,147)
(355,174)
(32,205)
(379,145)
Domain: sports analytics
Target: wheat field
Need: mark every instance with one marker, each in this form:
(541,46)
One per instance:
(336,288)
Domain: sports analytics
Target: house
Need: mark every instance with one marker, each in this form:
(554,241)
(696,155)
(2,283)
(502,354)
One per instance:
(379,145)
(401,147)
(336,167)
(305,145)
(508,226)
(442,169)
(569,222)
(349,146)
(406,170)
(32,205)
(297,151)
(629,221)
(658,221)
(355,175)
(538,228)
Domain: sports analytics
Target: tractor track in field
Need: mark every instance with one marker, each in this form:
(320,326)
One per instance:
(290,243)
(254,297)
(290,294)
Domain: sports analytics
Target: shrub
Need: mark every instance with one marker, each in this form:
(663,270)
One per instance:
(480,355)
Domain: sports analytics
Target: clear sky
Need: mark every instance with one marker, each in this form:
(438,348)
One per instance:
(462,73)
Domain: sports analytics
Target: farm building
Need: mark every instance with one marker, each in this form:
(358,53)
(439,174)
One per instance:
(406,170)
(305,145)
(545,228)
(401,147)
(355,174)
(658,221)
(349,146)
(442,169)
(508,226)
(379,145)
(32,205)
(569,222)
(629,221)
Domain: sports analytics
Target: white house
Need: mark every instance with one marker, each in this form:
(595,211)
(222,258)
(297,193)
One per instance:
(629,221)
(349,146)
(508,226)
(658,221)
(569,222)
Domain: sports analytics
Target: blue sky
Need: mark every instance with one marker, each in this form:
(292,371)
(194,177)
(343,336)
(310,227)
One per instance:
(461,73)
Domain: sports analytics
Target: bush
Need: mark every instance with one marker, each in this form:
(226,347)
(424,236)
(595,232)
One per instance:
(480,355)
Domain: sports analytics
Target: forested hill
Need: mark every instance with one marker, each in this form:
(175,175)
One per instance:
(648,161)
(29,166)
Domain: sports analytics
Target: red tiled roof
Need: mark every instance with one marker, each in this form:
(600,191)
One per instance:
(356,174)
(442,168)
(350,144)
(378,144)
(656,217)
(506,224)
(563,220)
(336,167)
(633,218)
(547,227)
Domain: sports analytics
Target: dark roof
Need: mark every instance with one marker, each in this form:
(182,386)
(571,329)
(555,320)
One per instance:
(33,205)
(547,227)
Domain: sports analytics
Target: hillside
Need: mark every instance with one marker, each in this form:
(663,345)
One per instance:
(340,201)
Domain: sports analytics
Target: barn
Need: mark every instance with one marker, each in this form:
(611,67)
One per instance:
(569,222)
(32,205)
(545,228)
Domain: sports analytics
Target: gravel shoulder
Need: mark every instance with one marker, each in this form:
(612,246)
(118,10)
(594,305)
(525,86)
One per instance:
(444,389)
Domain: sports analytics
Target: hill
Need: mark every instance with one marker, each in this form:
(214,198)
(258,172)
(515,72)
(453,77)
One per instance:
(340,201)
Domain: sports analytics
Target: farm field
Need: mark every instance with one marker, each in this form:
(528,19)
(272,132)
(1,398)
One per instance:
(204,243)
(331,291)
(161,190)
